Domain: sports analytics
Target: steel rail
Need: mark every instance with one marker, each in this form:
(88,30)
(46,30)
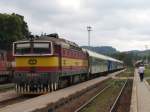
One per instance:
(113,107)
(91,99)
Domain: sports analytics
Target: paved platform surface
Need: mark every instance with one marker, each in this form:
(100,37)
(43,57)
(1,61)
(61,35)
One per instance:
(8,95)
(122,78)
(42,101)
(140,96)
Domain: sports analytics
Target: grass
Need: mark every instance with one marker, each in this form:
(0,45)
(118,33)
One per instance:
(103,102)
(148,80)
(125,99)
(147,72)
(128,73)
(6,87)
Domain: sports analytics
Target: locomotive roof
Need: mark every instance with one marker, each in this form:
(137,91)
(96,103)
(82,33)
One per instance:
(56,40)
(100,56)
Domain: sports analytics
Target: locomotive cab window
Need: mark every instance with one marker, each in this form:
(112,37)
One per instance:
(41,48)
(28,48)
(22,48)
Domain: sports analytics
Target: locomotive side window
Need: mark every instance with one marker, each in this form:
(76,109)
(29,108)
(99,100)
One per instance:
(56,49)
(1,56)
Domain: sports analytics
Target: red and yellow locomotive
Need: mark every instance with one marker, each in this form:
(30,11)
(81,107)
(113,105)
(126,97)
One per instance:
(47,63)
(6,68)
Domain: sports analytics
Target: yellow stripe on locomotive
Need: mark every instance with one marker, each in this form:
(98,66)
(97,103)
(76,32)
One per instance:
(37,61)
(48,62)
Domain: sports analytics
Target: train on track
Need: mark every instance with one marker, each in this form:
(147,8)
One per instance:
(48,63)
(6,68)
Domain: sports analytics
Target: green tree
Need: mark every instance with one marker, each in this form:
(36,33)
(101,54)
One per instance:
(12,28)
(129,58)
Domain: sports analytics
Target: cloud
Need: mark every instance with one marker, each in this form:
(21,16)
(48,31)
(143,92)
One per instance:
(121,24)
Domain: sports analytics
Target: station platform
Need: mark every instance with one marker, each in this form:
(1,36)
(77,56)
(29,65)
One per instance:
(43,100)
(8,95)
(140,95)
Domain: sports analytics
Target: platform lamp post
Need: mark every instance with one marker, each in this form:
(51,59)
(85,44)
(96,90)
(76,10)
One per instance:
(89,29)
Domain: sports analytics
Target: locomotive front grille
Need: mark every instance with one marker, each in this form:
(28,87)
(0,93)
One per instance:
(34,83)
(38,89)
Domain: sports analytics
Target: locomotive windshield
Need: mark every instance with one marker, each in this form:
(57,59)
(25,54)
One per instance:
(24,48)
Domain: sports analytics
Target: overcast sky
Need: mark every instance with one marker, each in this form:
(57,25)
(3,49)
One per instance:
(123,24)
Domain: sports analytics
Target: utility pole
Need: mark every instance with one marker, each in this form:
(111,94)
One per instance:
(146,47)
(89,29)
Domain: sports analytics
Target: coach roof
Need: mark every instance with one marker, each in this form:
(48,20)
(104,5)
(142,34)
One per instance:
(100,56)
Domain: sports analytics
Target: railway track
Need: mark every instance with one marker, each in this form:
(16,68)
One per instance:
(89,101)
(115,104)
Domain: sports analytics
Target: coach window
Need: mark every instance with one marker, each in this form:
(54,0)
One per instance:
(63,52)
(81,56)
(78,54)
(72,54)
(55,49)
(67,53)
(0,56)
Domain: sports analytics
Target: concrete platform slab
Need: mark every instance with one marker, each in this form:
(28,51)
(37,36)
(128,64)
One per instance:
(8,95)
(140,96)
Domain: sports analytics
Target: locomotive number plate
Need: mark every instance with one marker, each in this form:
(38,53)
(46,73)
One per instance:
(32,61)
